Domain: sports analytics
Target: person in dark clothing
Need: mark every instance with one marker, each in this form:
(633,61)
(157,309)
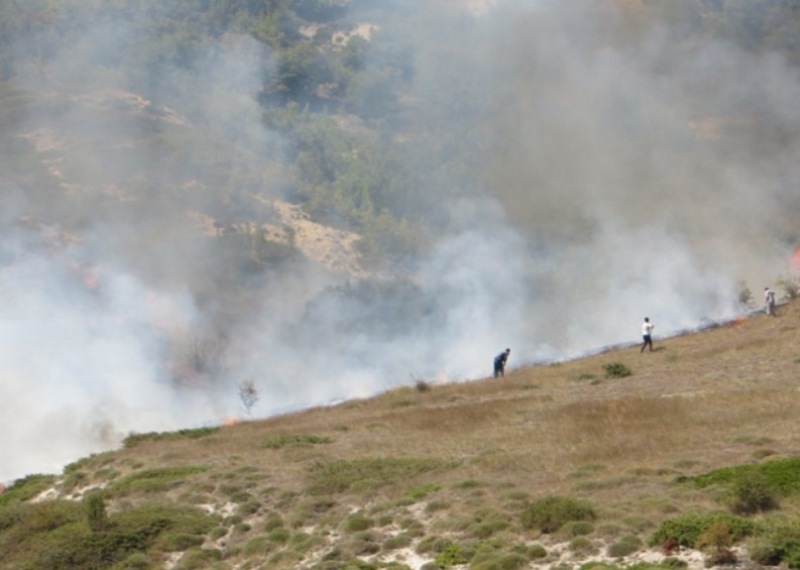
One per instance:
(500,363)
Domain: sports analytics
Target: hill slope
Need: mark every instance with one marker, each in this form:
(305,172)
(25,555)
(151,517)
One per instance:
(418,472)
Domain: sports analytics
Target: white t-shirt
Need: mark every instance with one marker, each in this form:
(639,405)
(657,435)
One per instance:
(647,328)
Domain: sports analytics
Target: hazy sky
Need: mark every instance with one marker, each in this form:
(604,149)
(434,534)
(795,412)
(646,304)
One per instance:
(615,170)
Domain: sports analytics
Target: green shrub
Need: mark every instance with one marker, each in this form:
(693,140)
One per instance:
(274,521)
(250,507)
(364,543)
(281,441)
(624,546)
(179,542)
(357,522)
(778,541)
(303,542)
(258,546)
(422,491)
(582,545)
(468,484)
(135,439)
(551,513)
(751,493)
(26,488)
(136,561)
(781,476)
(242,528)
(396,542)
(617,370)
(433,544)
(155,480)
(576,528)
(74,480)
(279,535)
(535,551)
(686,530)
(487,528)
(198,559)
(497,560)
(218,533)
(638,524)
(765,554)
(452,555)
(95,506)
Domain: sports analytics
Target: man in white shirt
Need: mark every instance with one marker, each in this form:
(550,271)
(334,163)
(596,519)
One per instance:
(769,301)
(647,331)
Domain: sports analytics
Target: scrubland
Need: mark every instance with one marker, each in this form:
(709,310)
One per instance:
(687,455)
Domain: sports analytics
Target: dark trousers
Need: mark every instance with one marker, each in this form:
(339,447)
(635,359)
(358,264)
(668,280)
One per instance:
(647,340)
(499,369)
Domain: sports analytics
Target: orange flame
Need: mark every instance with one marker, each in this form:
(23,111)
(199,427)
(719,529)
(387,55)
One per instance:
(738,321)
(230,421)
(794,262)
(91,279)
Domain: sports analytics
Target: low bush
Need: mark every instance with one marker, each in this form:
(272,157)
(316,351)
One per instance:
(396,542)
(26,488)
(56,536)
(279,535)
(434,506)
(281,441)
(751,493)
(625,546)
(576,528)
(136,561)
(433,544)
(617,370)
(96,516)
(154,480)
(135,439)
(357,522)
(179,542)
(550,514)
(686,530)
(778,542)
(453,555)
(422,491)
(535,551)
(497,560)
(258,546)
(780,476)
(198,559)
(582,545)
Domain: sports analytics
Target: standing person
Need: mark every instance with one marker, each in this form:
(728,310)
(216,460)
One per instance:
(647,332)
(500,363)
(769,301)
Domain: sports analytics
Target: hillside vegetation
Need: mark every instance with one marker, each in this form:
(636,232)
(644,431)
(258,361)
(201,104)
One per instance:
(355,140)
(552,466)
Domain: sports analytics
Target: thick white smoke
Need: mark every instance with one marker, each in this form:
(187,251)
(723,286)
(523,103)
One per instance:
(594,180)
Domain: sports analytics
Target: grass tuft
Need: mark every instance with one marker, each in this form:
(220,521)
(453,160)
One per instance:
(282,441)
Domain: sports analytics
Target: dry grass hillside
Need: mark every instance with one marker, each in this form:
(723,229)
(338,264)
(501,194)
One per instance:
(421,475)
